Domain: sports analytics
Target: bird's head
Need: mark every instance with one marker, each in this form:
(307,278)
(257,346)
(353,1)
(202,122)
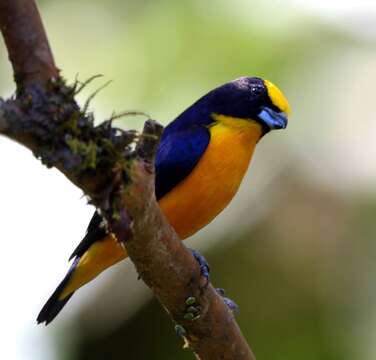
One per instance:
(250,98)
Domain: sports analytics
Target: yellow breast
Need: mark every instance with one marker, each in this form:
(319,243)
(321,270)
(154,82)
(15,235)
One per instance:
(201,196)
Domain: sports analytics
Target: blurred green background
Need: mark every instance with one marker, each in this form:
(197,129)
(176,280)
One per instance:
(296,248)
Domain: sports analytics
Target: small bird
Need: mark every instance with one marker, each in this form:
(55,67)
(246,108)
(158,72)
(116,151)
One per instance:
(201,160)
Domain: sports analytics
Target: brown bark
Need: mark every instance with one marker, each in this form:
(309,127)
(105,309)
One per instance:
(26,41)
(123,190)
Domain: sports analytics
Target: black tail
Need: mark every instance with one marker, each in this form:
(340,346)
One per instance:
(54,305)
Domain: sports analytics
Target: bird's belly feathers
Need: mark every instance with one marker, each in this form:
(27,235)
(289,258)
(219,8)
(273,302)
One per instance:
(197,200)
(193,203)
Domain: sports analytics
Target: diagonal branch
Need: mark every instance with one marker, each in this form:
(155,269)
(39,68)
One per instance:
(117,178)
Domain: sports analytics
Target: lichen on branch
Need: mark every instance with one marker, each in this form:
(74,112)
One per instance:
(115,169)
(62,135)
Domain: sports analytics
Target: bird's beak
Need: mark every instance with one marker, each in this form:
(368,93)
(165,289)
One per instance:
(272,119)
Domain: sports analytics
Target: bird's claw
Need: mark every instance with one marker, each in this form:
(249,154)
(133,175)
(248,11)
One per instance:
(230,303)
(179,330)
(204,266)
(192,309)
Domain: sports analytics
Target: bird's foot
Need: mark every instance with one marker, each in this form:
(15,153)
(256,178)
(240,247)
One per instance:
(180,331)
(230,303)
(204,266)
(192,309)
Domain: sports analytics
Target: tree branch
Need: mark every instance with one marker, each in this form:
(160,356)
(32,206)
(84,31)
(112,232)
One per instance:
(118,180)
(26,41)
(3,122)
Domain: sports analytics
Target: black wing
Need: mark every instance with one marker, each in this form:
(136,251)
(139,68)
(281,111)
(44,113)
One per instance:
(95,231)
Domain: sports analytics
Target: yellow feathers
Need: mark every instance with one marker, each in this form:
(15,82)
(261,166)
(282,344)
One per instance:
(277,98)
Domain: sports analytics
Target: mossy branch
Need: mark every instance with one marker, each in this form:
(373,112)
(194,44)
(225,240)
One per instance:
(115,169)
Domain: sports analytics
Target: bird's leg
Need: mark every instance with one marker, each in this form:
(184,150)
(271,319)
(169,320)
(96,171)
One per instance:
(192,310)
(230,303)
(204,266)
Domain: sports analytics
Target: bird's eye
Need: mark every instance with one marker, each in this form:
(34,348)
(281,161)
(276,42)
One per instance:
(256,90)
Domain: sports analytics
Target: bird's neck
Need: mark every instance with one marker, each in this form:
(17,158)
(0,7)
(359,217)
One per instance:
(247,131)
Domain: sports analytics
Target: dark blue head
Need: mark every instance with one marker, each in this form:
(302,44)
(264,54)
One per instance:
(246,98)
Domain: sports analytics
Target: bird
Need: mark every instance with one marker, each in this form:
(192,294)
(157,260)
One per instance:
(201,160)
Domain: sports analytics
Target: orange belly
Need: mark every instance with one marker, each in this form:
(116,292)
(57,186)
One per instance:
(195,201)
(199,198)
